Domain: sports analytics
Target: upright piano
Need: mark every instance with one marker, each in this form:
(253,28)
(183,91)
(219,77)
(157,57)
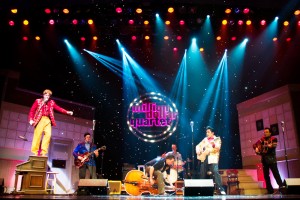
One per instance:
(33,176)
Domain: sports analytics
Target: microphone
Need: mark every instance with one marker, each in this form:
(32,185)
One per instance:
(94,122)
(192,125)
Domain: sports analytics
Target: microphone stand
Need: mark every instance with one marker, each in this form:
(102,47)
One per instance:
(193,159)
(285,154)
(102,155)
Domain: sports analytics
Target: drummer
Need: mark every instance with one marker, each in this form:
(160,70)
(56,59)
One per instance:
(178,164)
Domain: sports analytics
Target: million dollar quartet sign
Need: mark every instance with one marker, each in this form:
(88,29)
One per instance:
(152,117)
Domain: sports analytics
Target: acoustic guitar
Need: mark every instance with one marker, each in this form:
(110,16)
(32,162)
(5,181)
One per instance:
(137,183)
(86,156)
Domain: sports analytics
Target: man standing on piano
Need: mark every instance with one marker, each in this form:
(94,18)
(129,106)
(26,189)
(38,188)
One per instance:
(81,153)
(41,116)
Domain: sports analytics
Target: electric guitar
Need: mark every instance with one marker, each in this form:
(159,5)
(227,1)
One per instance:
(86,156)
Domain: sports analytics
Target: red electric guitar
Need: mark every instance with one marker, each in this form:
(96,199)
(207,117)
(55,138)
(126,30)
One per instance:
(86,156)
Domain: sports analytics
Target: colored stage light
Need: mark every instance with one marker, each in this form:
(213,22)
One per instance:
(82,39)
(233,38)
(263,22)
(246,10)
(47,11)
(297,12)
(146,22)
(66,11)
(248,22)
(240,22)
(179,37)
(175,49)
(11,23)
(139,10)
(74,21)
(51,21)
(147,37)
(95,38)
(298,23)
(166,37)
(14,11)
(118,10)
(25,22)
(275,39)
(181,22)
(25,38)
(218,38)
(201,49)
(171,10)
(288,39)
(90,21)
(131,21)
(133,37)
(228,11)
(38,38)
(167,22)
(224,22)
(285,23)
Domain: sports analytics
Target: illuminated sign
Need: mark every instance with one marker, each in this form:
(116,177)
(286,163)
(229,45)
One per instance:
(152,117)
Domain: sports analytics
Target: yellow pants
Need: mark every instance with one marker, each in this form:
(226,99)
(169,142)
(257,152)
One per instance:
(44,126)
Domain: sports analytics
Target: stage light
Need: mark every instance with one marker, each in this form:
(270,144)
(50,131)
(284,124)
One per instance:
(246,10)
(95,38)
(201,49)
(288,39)
(298,23)
(139,10)
(11,23)
(233,38)
(237,10)
(146,22)
(37,38)
(228,11)
(218,38)
(181,22)
(166,37)
(248,22)
(131,21)
(133,37)
(75,21)
(285,23)
(25,38)
(263,22)
(240,22)
(119,10)
(275,39)
(82,39)
(14,11)
(51,21)
(66,11)
(47,11)
(170,10)
(147,37)
(297,12)
(175,49)
(224,22)
(25,22)
(167,22)
(90,21)
(178,37)
(207,16)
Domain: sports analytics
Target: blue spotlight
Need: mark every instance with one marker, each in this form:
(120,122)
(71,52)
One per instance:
(156,15)
(194,40)
(276,18)
(207,16)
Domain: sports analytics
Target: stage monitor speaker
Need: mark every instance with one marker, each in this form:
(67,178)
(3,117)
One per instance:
(198,187)
(92,187)
(292,185)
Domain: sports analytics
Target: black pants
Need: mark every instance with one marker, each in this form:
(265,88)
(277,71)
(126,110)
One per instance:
(266,169)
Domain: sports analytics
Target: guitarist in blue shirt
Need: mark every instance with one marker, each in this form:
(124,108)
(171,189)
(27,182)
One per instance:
(84,155)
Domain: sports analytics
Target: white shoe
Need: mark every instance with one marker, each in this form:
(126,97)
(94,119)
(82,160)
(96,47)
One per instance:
(223,193)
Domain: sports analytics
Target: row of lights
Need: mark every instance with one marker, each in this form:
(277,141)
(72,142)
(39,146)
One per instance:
(146,22)
(147,37)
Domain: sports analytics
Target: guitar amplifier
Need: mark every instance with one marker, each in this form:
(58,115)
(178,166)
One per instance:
(92,187)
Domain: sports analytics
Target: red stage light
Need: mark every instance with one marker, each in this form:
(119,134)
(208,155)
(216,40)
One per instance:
(263,22)
(233,38)
(181,22)
(25,38)
(118,10)
(240,22)
(133,37)
(246,10)
(82,39)
(175,49)
(178,37)
(11,23)
(288,39)
(47,11)
(74,21)
(51,21)
(131,22)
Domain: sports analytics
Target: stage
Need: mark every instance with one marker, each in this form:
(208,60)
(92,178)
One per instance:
(146,197)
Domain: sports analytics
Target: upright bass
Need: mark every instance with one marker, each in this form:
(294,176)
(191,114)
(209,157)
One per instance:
(137,183)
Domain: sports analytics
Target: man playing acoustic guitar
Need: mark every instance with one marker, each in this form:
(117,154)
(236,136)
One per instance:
(82,149)
(208,152)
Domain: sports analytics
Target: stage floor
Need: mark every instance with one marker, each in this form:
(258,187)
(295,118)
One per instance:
(146,197)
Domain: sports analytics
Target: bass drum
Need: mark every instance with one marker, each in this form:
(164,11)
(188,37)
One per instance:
(172,177)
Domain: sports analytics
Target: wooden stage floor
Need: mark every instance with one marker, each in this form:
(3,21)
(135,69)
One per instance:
(145,197)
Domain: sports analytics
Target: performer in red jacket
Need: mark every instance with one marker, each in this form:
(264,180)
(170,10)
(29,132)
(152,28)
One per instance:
(41,116)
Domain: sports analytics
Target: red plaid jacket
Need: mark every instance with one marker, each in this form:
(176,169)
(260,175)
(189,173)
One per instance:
(36,111)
